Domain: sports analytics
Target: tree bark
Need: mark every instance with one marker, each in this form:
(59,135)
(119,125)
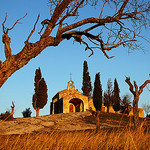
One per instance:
(15,62)
(6,40)
(12,109)
(136,94)
(136,112)
(37,112)
(97,121)
(63,10)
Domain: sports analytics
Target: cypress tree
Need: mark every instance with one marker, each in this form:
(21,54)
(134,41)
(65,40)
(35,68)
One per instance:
(42,94)
(97,98)
(37,78)
(86,84)
(116,97)
(39,99)
(97,93)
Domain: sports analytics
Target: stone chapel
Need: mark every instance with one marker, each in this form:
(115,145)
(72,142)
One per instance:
(71,100)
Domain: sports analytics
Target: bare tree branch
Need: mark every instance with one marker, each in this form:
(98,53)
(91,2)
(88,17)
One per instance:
(5,30)
(130,85)
(33,29)
(91,37)
(17,22)
(136,94)
(102,9)
(143,86)
(122,8)
(12,108)
(121,28)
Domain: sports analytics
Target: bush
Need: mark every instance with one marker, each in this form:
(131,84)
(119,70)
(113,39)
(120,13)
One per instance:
(6,116)
(27,112)
(148,116)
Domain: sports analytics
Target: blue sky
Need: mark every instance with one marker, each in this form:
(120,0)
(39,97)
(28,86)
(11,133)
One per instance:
(57,63)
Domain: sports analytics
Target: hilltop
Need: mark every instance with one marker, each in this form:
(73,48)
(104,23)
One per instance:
(64,122)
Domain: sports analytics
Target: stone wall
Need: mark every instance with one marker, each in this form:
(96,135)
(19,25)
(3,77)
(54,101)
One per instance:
(141,113)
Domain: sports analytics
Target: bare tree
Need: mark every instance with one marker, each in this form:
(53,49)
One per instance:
(126,100)
(108,95)
(136,93)
(126,103)
(12,109)
(123,27)
(146,108)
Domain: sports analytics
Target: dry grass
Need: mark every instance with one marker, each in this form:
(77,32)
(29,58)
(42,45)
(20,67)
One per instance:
(106,139)
(119,138)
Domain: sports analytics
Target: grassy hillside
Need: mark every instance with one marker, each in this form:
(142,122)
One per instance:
(114,119)
(109,138)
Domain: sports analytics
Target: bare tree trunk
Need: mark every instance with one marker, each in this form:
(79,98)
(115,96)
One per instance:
(136,112)
(37,112)
(97,121)
(12,109)
(7,40)
(108,109)
(15,62)
(136,92)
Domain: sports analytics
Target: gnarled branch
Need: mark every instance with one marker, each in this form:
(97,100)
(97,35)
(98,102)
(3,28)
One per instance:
(33,29)
(6,39)
(5,30)
(143,86)
(12,108)
(115,31)
(130,85)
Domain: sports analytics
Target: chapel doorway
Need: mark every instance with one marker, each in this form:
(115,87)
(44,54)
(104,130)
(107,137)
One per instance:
(70,108)
(76,105)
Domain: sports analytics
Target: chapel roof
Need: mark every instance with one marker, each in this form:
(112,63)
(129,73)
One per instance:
(70,90)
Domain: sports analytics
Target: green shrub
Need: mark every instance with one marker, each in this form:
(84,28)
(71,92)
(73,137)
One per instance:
(6,116)
(27,112)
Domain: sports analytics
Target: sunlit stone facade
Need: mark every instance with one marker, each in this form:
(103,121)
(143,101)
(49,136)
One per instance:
(71,100)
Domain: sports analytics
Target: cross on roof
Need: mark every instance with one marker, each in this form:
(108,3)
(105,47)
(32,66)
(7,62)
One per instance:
(70,76)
